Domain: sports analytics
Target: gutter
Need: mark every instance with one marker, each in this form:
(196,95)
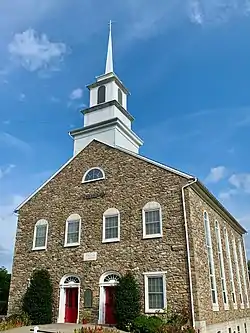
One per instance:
(191,182)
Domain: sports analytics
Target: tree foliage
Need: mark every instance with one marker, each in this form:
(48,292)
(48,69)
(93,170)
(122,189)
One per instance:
(4,290)
(37,301)
(127,305)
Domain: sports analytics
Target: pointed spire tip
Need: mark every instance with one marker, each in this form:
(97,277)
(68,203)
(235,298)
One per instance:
(109,61)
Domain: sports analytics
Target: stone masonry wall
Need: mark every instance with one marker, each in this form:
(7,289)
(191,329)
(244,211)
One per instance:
(130,183)
(202,290)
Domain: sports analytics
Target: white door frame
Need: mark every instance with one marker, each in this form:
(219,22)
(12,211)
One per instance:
(103,283)
(62,297)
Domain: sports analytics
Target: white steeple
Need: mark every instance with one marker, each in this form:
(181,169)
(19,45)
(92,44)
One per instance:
(107,118)
(109,61)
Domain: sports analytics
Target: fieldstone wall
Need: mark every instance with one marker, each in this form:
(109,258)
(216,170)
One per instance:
(200,269)
(130,183)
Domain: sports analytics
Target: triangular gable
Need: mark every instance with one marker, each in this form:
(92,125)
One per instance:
(165,167)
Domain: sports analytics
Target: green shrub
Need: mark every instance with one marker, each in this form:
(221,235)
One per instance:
(147,324)
(37,301)
(13,321)
(127,301)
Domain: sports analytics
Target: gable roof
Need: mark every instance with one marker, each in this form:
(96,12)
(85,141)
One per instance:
(165,167)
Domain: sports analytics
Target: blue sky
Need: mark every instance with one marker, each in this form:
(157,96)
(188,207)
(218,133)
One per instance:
(187,65)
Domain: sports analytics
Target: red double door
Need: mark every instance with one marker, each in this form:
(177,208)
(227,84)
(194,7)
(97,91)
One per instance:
(71,305)
(110,306)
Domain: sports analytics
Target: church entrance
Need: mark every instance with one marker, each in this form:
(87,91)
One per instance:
(108,283)
(69,299)
(110,305)
(71,305)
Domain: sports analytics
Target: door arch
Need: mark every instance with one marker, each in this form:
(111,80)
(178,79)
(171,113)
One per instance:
(69,299)
(107,281)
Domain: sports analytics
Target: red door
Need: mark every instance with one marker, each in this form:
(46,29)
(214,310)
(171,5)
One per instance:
(71,306)
(110,306)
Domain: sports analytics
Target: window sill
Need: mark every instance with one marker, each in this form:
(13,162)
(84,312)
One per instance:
(242,306)
(154,311)
(92,180)
(111,240)
(39,248)
(216,307)
(226,307)
(235,306)
(71,245)
(152,236)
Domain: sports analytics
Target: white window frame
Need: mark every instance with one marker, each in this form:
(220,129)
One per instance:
(151,206)
(93,180)
(111,212)
(231,273)
(209,246)
(236,261)
(243,270)
(222,266)
(72,217)
(155,274)
(38,223)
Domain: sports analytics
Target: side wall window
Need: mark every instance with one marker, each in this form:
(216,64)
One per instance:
(73,230)
(40,235)
(210,261)
(101,94)
(119,96)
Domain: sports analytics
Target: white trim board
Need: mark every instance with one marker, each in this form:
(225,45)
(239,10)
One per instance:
(177,172)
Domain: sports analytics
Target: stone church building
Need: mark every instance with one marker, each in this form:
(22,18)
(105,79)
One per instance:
(109,210)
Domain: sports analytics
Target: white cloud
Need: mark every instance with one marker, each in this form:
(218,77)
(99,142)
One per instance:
(241,181)
(226,195)
(12,141)
(216,174)
(76,94)
(34,52)
(6,170)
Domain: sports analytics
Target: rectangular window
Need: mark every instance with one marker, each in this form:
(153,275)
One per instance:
(243,271)
(152,222)
(73,232)
(245,327)
(238,329)
(229,330)
(230,268)
(211,263)
(222,268)
(155,292)
(237,271)
(41,231)
(111,227)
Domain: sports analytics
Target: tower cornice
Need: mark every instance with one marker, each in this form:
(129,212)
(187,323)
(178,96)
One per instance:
(104,80)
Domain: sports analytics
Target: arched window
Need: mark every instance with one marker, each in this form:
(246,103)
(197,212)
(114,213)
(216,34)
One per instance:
(73,230)
(93,174)
(40,235)
(152,220)
(111,225)
(119,96)
(101,94)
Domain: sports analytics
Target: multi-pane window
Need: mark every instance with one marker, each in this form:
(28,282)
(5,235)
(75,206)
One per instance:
(72,232)
(152,220)
(111,225)
(231,273)
(155,292)
(237,271)
(243,272)
(93,174)
(221,261)
(210,261)
(40,235)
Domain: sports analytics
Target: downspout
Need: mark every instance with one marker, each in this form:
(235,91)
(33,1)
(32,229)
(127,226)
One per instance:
(191,182)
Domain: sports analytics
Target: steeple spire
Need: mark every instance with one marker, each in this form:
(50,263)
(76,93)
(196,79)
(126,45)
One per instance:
(109,61)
